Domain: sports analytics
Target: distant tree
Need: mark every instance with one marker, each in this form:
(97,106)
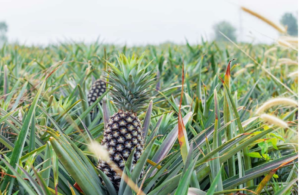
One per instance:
(227,29)
(3,30)
(289,20)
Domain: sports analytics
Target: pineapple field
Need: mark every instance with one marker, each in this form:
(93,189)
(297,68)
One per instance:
(203,119)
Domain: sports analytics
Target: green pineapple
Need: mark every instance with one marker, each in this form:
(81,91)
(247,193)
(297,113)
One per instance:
(131,92)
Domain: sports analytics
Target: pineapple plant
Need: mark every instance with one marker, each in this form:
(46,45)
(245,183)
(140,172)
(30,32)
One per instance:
(131,91)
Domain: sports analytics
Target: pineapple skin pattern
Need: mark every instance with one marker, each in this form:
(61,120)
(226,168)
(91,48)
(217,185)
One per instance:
(131,91)
(97,89)
(122,134)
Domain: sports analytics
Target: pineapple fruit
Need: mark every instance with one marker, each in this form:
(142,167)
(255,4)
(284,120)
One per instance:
(131,92)
(97,89)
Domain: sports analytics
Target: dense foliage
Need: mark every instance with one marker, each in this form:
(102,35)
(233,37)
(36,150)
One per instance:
(46,124)
(291,23)
(227,29)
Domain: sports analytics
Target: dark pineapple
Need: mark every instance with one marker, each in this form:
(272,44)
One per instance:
(131,92)
(97,89)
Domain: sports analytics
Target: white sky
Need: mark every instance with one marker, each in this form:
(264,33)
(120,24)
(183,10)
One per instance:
(136,21)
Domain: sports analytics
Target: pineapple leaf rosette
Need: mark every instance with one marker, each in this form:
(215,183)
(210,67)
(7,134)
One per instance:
(131,82)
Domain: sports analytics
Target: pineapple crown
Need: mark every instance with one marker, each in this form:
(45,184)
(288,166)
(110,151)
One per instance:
(131,83)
